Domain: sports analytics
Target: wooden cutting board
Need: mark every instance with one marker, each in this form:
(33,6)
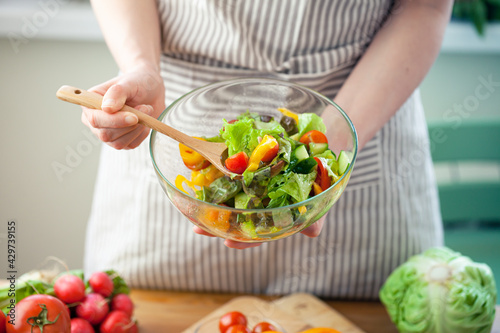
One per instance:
(295,313)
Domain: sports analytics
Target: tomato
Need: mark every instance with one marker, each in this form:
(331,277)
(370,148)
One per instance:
(238,329)
(79,325)
(122,302)
(47,313)
(101,283)
(231,319)
(116,322)
(192,159)
(313,136)
(263,327)
(94,308)
(322,178)
(237,163)
(69,289)
(3,322)
(271,154)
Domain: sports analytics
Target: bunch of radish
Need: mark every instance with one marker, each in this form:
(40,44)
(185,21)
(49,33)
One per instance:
(98,307)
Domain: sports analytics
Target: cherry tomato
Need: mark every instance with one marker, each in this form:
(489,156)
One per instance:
(79,325)
(238,329)
(94,308)
(122,302)
(101,283)
(231,319)
(322,178)
(237,163)
(271,154)
(263,327)
(116,322)
(69,289)
(192,159)
(40,313)
(313,136)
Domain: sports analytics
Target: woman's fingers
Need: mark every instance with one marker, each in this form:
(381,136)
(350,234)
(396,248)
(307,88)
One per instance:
(100,119)
(315,229)
(229,243)
(115,97)
(240,245)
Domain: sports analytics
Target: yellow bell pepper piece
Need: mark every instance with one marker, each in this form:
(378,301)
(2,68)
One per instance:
(290,114)
(267,143)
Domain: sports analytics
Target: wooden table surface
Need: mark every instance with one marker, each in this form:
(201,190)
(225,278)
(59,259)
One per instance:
(173,312)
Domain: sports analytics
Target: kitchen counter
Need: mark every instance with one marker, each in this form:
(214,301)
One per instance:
(161,311)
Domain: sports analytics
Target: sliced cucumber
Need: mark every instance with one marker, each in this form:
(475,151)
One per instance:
(241,200)
(305,166)
(344,162)
(295,137)
(317,148)
(300,153)
(248,228)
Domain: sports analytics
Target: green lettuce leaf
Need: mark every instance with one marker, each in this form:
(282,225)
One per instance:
(309,122)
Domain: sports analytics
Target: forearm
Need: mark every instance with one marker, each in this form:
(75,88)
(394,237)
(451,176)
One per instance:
(394,65)
(131,29)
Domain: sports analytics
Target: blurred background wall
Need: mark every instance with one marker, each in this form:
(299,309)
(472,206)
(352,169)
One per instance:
(49,159)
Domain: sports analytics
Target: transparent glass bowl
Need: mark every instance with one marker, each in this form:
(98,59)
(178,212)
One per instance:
(200,113)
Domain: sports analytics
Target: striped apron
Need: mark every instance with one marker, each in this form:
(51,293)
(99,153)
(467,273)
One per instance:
(388,211)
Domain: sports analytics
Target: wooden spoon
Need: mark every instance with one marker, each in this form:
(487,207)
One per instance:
(214,152)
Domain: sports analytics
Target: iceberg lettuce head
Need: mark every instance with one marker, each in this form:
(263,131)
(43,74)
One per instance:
(441,291)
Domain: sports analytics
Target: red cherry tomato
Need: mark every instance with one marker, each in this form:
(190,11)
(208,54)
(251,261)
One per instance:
(37,313)
(263,327)
(237,163)
(69,289)
(313,136)
(231,319)
(322,178)
(101,283)
(238,329)
(271,154)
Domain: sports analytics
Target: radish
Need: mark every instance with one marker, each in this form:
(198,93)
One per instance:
(94,308)
(101,283)
(122,302)
(69,289)
(79,325)
(117,322)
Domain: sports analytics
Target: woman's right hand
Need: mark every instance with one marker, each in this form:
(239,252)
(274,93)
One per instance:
(142,89)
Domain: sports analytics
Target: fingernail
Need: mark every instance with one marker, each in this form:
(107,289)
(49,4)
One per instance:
(108,102)
(131,120)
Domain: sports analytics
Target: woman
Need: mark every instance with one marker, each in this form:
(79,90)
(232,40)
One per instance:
(369,56)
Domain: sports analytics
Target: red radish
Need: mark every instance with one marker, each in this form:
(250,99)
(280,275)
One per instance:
(69,289)
(116,322)
(79,325)
(101,283)
(94,308)
(122,302)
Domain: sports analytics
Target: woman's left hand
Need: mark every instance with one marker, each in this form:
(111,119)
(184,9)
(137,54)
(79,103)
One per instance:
(312,231)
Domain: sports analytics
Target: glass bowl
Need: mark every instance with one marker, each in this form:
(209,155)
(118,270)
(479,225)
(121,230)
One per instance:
(211,325)
(200,112)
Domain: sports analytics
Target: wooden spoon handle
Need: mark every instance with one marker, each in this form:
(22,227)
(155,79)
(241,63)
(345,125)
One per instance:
(94,100)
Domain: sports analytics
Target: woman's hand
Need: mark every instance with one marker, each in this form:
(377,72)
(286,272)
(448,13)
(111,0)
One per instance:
(141,89)
(312,231)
